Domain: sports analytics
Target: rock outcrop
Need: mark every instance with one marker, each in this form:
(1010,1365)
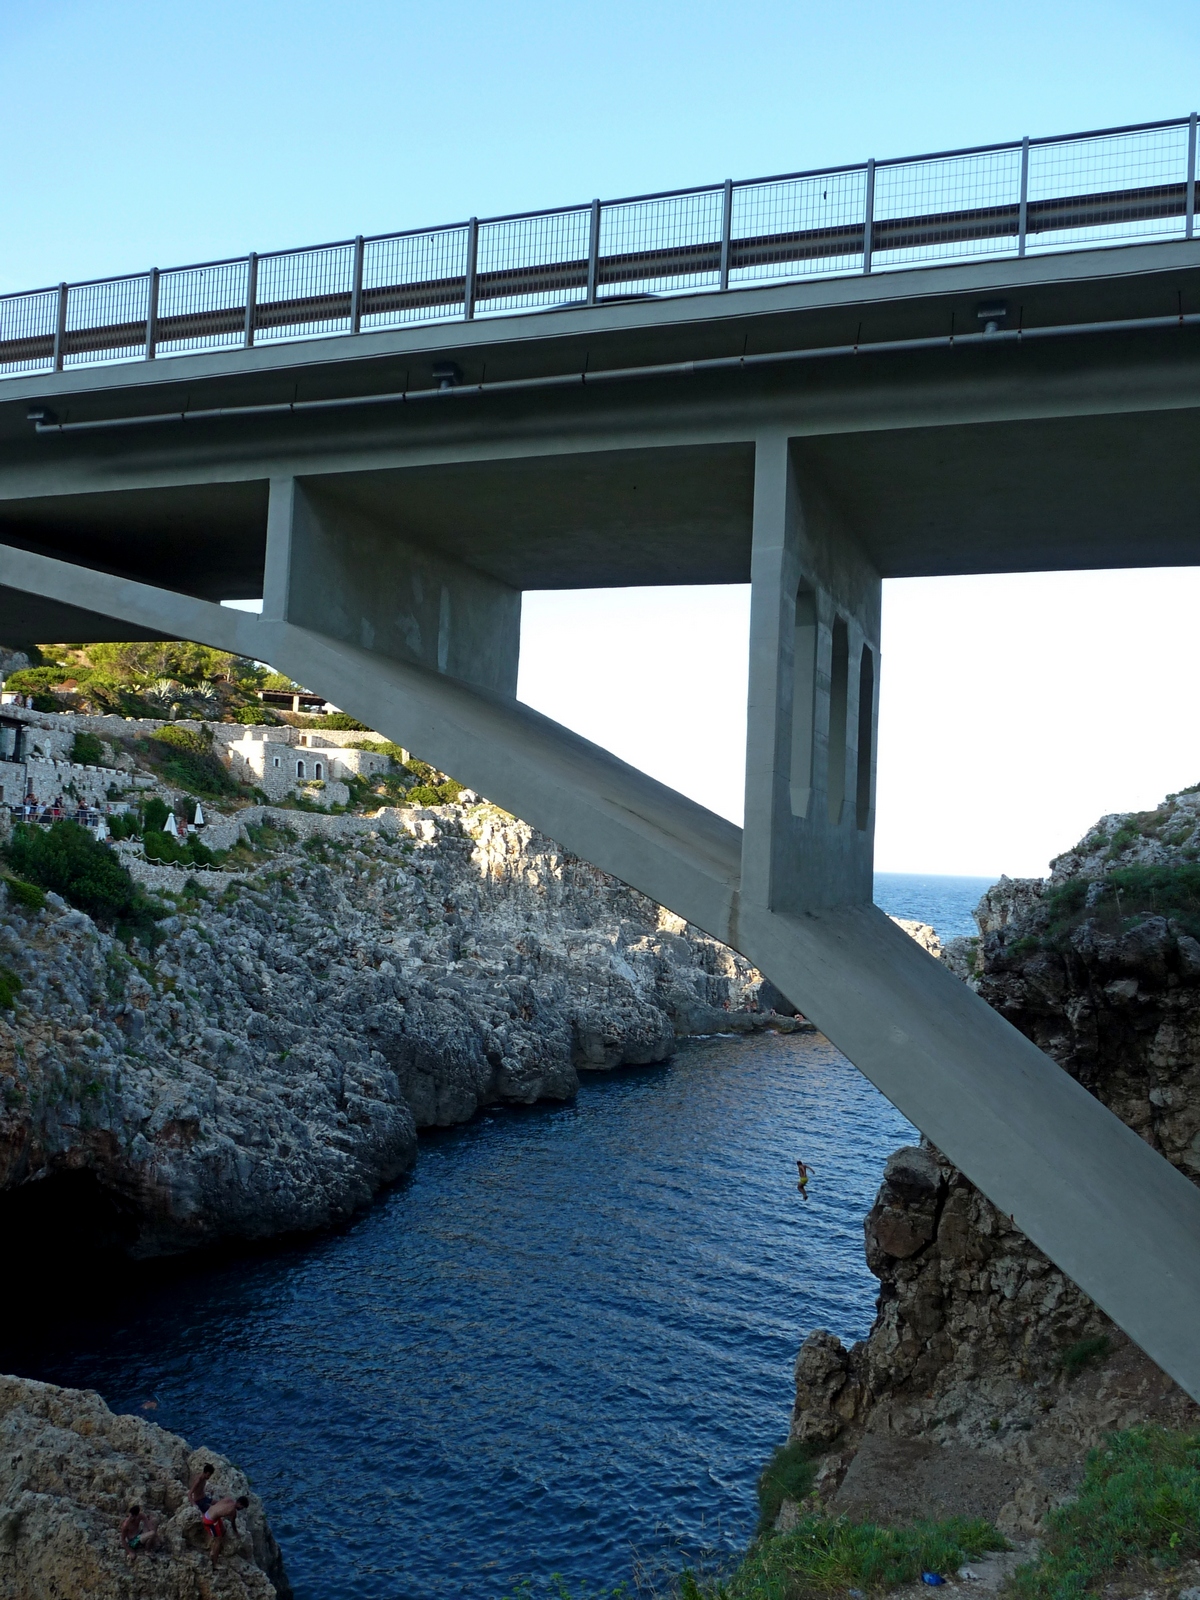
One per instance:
(988,1374)
(69,1470)
(350,981)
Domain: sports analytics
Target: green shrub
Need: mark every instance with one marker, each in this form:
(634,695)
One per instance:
(381,747)
(27,895)
(32,680)
(87,751)
(123,824)
(341,722)
(423,794)
(788,1475)
(252,716)
(154,815)
(66,859)
(1139,1502)
(162,847)
(10,987)
(1086,1353)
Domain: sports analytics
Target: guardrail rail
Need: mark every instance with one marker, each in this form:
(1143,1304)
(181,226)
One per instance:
(1089,190)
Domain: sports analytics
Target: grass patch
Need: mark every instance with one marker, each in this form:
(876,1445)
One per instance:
(827,1556)
(1139,1503)
(788,1475)
(1076,1358)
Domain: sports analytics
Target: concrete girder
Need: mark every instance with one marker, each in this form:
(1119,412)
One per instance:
(1107,1209)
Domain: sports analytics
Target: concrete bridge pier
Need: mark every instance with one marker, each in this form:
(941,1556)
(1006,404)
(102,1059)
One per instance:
(813,695)
(340,571)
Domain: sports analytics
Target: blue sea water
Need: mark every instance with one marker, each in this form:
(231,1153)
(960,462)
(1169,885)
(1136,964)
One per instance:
(943,902)
(563,1344)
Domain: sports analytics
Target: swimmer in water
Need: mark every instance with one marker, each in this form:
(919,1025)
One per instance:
(804,1172)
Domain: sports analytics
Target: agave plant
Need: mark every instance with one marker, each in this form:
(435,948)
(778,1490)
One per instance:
(164,691)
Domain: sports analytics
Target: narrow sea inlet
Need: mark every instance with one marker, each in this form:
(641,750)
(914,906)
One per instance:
(565,1343)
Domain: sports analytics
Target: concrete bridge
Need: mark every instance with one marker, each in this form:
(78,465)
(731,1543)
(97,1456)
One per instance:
(391,493)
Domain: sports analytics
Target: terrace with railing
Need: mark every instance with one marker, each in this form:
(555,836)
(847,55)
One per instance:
(1033,196)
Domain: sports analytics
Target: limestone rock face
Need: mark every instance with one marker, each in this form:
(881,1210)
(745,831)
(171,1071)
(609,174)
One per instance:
(267,1068)
(988,1374)
(70,1468)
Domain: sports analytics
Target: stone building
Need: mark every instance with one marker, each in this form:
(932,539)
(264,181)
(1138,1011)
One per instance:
(278,766)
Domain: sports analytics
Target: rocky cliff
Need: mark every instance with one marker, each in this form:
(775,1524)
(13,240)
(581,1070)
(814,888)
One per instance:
(70,1469)
(343,983)
(987,1374)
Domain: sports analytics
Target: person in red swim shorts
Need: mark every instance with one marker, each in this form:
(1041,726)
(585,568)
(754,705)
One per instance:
(223,1511)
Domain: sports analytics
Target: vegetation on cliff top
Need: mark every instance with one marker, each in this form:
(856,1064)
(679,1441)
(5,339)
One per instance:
(155,678)
(1138,1510)
(1117,902)
(829,1555)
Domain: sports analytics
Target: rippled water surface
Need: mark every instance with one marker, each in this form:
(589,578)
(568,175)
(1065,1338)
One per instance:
(568,1336)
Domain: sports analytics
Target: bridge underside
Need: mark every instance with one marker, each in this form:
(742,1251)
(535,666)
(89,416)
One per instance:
(391,542)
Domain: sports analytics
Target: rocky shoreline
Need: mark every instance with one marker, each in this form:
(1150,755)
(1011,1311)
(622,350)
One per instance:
(266,1070)
(987,1375)
(70,1469)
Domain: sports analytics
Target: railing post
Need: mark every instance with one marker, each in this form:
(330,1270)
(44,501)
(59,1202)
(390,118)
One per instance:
(60,328)
(1023,203)
(869,215)
(593,277)
(726,232)
(251,297)
(356,288)
(472,260)
(152,314)
(1189,224)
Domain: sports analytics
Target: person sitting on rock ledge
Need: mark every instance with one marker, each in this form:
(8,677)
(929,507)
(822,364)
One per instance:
(139,1531)
(220,1511)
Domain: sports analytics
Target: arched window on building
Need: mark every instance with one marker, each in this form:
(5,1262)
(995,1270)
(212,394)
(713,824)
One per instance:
(317,770)
(299,769)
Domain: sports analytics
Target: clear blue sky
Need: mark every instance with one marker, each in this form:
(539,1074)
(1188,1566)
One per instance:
(139,134)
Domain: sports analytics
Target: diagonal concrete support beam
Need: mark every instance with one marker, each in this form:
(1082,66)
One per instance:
(1109,1211)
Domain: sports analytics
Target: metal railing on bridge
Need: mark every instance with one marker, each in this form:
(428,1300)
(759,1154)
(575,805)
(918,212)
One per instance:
(1030,197)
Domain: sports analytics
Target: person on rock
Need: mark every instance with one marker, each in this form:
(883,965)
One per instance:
(221,1511)
(198,1494)
(804,1174)
(139,1531)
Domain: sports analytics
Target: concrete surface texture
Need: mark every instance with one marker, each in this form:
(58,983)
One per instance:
(390,543)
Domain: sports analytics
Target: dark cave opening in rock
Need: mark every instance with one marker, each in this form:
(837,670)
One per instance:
(62,1235)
